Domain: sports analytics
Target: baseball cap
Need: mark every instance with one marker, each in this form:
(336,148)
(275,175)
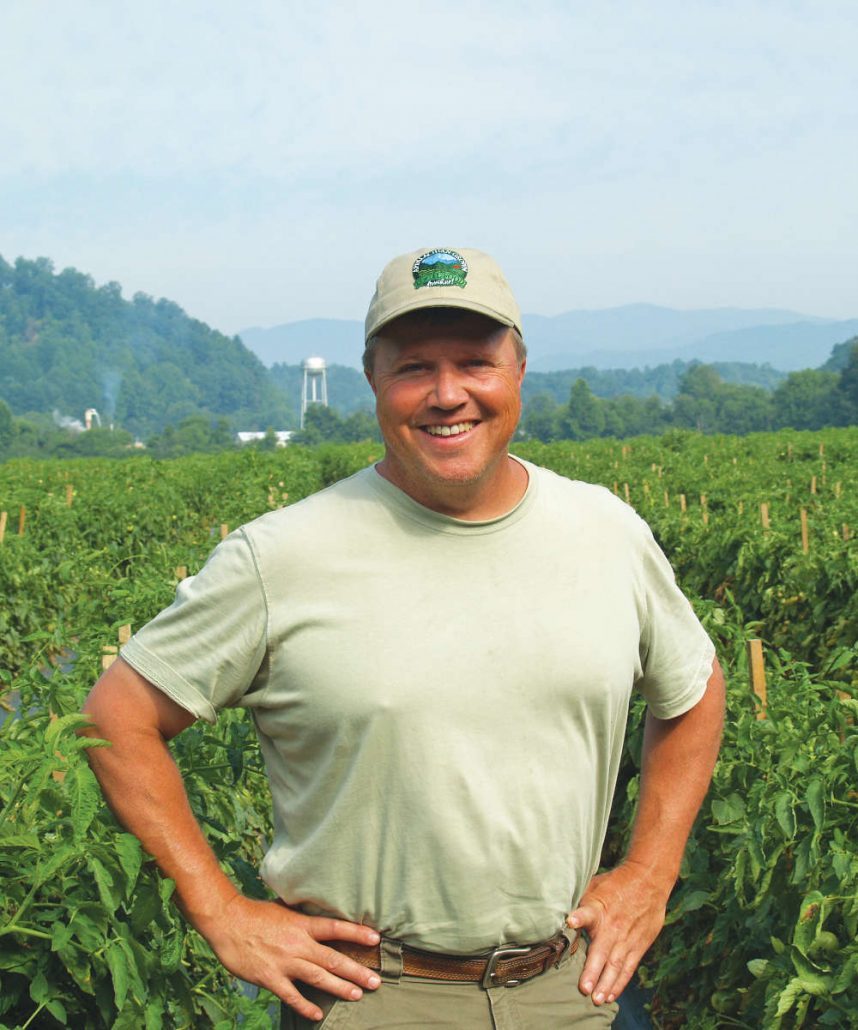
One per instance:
(441,278)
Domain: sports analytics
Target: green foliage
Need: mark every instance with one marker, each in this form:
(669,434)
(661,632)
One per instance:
(195,434)
(770,873)
(324,425)
(88,937)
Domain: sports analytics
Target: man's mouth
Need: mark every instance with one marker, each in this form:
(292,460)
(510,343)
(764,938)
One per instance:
(454,430)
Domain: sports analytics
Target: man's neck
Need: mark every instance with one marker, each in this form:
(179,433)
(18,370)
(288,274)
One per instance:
(471,502)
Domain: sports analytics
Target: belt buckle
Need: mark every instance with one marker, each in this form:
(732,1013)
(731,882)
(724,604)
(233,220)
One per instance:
(491,965)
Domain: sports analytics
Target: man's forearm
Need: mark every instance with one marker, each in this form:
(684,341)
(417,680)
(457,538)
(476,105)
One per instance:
(623,910)
(676,768)
(144,788)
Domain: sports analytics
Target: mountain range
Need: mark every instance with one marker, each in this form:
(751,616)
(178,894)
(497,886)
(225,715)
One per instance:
(631,336)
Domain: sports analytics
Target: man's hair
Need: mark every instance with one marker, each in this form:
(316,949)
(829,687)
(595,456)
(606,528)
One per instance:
(437,318)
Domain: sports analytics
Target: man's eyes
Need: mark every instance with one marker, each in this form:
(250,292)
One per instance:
(412,367)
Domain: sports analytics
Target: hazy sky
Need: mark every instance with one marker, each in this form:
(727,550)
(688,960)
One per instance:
(258,163)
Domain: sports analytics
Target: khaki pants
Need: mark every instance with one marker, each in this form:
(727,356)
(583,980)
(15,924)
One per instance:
(547,1002)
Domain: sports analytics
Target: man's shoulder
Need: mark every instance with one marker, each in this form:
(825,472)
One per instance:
(589,499)
(331,509)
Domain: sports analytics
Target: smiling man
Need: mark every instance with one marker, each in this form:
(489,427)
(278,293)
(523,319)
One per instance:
(438,654)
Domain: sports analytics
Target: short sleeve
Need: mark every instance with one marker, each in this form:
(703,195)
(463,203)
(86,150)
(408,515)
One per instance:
(676,653)
(205,650)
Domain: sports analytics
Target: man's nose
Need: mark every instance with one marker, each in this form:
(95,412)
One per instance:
(448,388)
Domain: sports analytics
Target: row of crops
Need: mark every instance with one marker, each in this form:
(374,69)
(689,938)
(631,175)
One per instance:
(764,922)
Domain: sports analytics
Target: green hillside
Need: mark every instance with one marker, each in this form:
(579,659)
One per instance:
(67,345)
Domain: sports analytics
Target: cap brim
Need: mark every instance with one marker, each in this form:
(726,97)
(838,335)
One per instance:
(437,301)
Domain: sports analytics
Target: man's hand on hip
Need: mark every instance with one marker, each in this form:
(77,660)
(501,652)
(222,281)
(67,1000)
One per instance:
(623,914)
(269,944)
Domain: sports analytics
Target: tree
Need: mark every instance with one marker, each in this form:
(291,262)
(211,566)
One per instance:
(321,425)
(6,426)
(541,419)
(584,416)
(847,388)
(807,400)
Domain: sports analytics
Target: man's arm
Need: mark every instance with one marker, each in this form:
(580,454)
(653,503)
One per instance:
(263,942)
(623,910)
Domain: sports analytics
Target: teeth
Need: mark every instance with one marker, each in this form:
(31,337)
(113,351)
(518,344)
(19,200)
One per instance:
(459,427)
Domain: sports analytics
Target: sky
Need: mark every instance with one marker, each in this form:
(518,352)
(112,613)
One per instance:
(259,163)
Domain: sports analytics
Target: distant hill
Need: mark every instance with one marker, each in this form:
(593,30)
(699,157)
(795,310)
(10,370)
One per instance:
(632,336)
(788,347)
(67,345)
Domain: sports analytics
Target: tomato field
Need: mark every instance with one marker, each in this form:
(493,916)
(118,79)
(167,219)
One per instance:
(763,925)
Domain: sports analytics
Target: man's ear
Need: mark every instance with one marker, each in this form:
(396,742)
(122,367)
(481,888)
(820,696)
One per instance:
(368,375)
(522,370)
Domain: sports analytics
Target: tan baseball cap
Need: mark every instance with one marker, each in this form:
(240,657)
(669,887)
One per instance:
(441,278)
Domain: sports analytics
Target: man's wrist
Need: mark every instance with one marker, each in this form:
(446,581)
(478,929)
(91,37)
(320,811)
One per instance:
(659,875)
(206,910)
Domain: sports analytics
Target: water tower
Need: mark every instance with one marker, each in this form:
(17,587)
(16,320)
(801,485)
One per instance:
(315,390)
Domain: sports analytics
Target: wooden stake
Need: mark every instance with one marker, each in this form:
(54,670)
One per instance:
(846,533)
(757,668)
(224,530)
(666,499)
(4,515)
(838,486)
(805,546)
(764,515)
(181,572)
(616,488)
(110,652)
(821,449)
(741,507)
(22,520)
(682,505)
(704,507)
(813,484)
(626,492)
(69,494)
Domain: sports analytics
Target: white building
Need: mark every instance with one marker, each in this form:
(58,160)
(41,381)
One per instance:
(283,436)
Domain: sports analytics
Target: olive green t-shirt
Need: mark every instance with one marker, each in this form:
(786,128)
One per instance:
(441,704)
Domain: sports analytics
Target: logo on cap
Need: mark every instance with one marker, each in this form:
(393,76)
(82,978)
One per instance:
(440,268)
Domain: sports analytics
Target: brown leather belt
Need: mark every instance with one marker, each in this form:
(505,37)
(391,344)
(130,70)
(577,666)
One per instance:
(506,966)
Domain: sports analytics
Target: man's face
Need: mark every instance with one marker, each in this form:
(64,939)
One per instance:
(447,401)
